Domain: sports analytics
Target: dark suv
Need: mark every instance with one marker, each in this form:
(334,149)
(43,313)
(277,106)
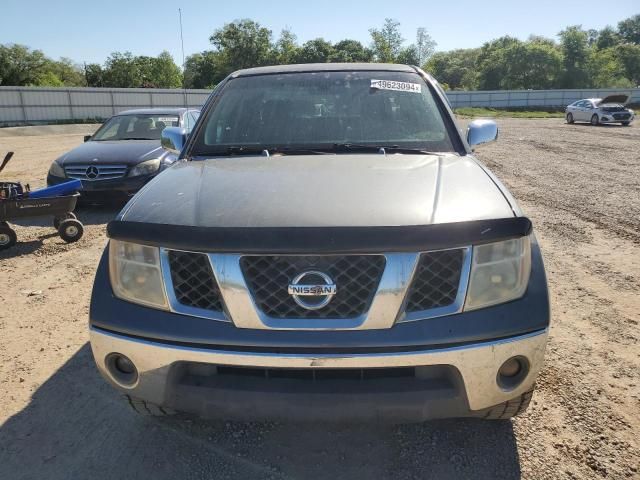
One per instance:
(328,248)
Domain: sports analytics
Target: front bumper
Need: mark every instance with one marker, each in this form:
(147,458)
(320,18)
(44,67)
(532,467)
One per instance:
(454,381)
(119,186)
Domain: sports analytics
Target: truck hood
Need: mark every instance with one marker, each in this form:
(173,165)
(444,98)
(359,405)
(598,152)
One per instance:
(128,152)
(320,190)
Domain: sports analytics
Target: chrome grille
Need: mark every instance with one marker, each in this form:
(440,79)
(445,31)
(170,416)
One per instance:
(193,281)
(436,280)
(103,172)
(356,277)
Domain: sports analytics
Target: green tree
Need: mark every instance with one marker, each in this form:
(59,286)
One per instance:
(387,41)
(605,70)
(491,63)
(164,73)
(408,56)
(203,70)
(348,51)
(629,56)
(531,65)
(122,70)
(425,45)
(69,73)
(575,51)
(94,74)
(242,44)
(629,29)
(607,38)
(315,51)
(456,69)
(286,48)
(20,66)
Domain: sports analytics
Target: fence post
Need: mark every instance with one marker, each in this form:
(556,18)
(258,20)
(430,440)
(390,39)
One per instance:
(24,110)
(151,99)
(70,105)
(113,103)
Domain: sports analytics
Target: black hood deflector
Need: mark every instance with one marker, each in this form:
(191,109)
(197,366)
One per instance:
(299,240)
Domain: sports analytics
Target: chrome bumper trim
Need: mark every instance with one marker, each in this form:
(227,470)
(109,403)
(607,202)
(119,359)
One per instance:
(477,363)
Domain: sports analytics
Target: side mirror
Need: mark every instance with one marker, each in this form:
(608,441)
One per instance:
(481,131)
(173,139)
(87,137)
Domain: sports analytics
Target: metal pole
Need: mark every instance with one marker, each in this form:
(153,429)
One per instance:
(184,89)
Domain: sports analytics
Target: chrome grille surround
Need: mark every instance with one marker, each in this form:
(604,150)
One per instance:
(237,303)
(104,171)
(356,276)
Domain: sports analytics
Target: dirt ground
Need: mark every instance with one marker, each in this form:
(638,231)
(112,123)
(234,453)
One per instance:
(581,187)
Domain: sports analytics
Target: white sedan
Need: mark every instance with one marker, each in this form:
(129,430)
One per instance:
(610,109)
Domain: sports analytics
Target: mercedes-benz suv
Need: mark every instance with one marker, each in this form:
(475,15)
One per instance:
(327,248)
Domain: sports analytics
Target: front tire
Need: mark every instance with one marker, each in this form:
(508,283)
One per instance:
(70,230)
(570,118)
(66,216)
(8,237)
(626,124)
(595,120)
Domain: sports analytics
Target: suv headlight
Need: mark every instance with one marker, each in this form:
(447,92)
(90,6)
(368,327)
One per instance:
(499,272)
(136,274)
(145,168)
(56,170)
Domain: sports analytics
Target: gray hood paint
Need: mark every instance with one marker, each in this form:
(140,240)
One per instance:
(320,190)
(129,152)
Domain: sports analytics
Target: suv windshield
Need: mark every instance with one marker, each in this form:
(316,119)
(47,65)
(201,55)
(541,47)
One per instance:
(135,127)
(323,110)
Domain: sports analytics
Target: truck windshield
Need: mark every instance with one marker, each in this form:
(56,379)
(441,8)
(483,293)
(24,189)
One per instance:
(322,110)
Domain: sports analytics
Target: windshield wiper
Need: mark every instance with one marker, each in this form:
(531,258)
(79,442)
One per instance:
(381,148)
(264,151)
(134,138)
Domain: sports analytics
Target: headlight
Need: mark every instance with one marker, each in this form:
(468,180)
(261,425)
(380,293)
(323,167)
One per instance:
(56,170)
(499,273)
(136,275)
(145,168)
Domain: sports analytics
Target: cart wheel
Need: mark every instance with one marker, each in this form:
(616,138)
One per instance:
(57,220)
(70,230)
(8,237)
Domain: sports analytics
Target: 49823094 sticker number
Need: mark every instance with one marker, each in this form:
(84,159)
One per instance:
(396,86)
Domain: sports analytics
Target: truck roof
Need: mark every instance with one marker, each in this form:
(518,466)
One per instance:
(322,67)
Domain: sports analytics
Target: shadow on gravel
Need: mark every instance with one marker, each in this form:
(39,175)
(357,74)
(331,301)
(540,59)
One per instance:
(77,426)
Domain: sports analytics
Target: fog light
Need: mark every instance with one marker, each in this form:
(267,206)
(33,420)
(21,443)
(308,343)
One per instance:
(510,368)
(122,370)
(512,372)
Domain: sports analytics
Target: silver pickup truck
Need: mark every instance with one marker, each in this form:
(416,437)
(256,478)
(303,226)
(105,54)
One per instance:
(328,248)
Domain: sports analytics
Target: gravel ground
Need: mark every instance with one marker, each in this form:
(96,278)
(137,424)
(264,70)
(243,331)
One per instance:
(580,186)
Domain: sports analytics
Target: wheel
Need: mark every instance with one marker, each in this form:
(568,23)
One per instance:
(570,118)
(8,237)
(57,220)
(594,119)
(70,230)
(626,124)
(508,409)
(148,409)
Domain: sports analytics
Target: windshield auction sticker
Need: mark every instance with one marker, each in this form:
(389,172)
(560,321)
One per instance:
(396,86)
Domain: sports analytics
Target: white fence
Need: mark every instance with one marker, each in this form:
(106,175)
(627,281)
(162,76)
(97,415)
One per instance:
(26,105)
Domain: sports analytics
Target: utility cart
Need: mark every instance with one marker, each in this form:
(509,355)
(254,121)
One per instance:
(59,201)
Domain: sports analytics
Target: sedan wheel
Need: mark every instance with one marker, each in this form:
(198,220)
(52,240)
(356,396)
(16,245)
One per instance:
(569,118)
(595,120)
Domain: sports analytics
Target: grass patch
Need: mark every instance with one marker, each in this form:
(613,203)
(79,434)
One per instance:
(491,112)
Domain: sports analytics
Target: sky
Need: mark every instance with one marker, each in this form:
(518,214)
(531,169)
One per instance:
(87,31)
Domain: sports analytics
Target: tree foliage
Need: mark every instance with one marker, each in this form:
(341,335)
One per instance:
(579,58)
